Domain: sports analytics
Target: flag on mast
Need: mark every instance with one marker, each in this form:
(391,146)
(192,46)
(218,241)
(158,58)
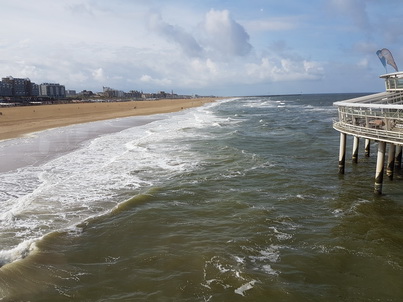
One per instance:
(385,56)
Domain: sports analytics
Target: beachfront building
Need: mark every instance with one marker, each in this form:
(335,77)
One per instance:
(71,93)
(34,89)
(133,94)
(19,87)
(151,96)
(86,93)
(52,90)
(112,93)
(6,89)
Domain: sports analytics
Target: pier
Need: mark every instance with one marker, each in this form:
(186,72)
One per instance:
(377,117)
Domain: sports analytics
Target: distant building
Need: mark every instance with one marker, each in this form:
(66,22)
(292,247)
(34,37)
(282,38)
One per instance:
(112,93)
(148,96)
(71,93)
(86,93)
(19,87)
(34,89)
(133,94)
(162,94)
(52,90)
(159,95)
(6,89)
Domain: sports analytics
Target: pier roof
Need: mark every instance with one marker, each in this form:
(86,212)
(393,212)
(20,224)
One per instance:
(398,74)
(385,100)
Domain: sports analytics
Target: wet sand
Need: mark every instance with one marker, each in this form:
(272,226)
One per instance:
(17,121)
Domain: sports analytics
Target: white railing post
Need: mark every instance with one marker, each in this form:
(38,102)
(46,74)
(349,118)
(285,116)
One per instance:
(380,162)
(367,147)
(356,144)
(391,161)
(342,152)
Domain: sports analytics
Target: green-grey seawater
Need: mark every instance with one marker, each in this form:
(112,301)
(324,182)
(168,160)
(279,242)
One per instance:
(239,200)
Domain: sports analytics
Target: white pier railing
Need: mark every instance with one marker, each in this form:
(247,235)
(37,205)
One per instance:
(376,117)
(388,136)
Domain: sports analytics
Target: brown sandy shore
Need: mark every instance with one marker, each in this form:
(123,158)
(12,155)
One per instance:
(17,121)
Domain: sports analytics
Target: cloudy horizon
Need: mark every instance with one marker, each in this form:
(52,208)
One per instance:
(201,47)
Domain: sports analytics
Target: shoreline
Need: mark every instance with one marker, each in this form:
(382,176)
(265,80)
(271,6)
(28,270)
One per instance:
(18,121)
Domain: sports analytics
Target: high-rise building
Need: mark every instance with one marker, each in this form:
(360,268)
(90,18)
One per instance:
(34,89)
(6,89)
(20,87)
(112,93)
(53,90)
(71,93)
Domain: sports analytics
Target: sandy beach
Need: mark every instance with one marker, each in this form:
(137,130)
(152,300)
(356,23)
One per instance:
(17,121)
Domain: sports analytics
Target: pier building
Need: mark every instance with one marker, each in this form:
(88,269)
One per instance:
(376,117)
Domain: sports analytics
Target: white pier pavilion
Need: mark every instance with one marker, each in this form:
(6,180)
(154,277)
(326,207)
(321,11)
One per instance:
(377,117)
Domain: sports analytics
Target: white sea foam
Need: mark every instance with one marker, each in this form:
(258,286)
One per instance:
(243,288)
(269,270)
(280,235)
(240,260)
(260,104)
(227,274)
(89,181)
(270,254)
(18,252)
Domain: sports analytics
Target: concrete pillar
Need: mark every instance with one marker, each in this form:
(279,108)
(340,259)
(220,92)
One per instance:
(380,162)
(391,161)
(342,152)
(367,147)
(398,158)
(356,145)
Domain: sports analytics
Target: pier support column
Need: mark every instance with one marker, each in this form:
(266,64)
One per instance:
(391,161)
(380,161)
(398,159)
(367,147)
(356,145)
(342,152)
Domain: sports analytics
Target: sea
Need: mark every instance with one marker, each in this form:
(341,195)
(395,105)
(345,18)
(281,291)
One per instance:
(236,200)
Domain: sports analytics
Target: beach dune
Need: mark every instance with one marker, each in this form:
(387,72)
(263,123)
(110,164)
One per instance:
(17,121)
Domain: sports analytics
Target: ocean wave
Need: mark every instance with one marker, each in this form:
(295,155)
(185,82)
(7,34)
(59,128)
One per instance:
(89,181)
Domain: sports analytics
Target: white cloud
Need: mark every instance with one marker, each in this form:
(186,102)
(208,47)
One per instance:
(363,63)
(75,78)
(84,44)
(207,67)
(218,32)
(283,69)
(272,24)
(146,78)
(81,8)
(160,82)
(98,75)
(225,35)
(175,34)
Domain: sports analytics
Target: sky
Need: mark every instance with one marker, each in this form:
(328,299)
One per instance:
(205,47)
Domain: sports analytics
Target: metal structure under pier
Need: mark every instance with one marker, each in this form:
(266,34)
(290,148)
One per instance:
(377,117)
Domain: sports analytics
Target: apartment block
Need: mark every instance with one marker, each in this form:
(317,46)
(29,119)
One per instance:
(53,90)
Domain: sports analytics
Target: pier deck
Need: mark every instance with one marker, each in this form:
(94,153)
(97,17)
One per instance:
(377,117)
